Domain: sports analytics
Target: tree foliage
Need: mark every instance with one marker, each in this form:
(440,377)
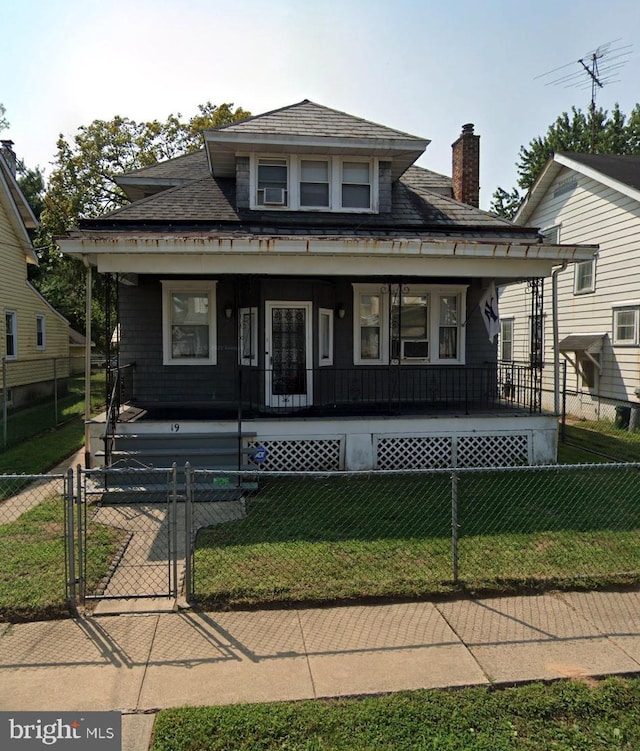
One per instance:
(82,186)
(4,123)
(613,133)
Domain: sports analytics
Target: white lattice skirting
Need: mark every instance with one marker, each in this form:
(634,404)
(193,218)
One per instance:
(400,452)
(432,452)
(300,455)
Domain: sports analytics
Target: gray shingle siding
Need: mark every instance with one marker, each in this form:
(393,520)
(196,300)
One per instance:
(242,182)
(384,194)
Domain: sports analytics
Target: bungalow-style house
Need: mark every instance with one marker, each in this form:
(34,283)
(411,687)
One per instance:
(299,285)
(594,199)
(35,345)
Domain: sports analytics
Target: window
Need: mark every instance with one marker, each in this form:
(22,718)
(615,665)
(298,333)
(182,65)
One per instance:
(536,340)
(356,185)
(410,327)
(40,332)
(625,326)
(584,277)
(314,183)
(325,337)
(413,325)
(506,340)
(189,332)
(448,329)
(369,323)
(10,335)
(248,336)
(273,182)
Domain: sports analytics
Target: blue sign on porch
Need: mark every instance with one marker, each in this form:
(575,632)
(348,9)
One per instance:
(260,455)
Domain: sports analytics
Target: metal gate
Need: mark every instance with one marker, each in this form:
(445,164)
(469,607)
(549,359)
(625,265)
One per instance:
(127,533)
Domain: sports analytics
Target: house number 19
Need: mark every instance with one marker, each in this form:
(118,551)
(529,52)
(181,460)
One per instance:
(175,427)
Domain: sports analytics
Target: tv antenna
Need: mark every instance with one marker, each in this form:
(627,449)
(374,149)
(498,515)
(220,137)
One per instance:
(601,67)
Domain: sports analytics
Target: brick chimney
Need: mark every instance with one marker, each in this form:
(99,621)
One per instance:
(6,149)
(466,167)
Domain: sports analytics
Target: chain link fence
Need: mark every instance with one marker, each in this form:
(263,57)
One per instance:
(602,413)
(127,528)
(232,539)
(329,537)
(41,393)
(33,545)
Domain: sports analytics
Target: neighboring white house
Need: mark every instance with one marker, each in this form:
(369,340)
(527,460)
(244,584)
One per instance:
(588,199)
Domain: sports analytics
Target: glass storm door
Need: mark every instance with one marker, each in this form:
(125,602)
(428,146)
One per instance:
(288,354)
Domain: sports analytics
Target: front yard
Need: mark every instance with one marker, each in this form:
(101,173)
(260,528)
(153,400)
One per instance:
(326,539)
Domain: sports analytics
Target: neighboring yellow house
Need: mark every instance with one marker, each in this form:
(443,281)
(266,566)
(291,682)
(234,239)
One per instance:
(35,345)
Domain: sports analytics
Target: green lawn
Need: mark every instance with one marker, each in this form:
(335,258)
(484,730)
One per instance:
(307,540)
(600,437)
(26,423)
(565,716)
(32,558)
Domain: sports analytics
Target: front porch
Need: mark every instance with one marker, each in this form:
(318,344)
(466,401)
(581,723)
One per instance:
(392,418)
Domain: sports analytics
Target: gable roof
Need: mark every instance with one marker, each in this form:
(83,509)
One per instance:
(620,172)
(308,127)
(18,210)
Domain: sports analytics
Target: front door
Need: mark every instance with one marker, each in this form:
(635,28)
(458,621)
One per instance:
(288,354)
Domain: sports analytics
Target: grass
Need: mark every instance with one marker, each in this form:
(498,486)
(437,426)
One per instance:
(602,438)
(32,575)
(566,716)
(24,424)
(306,540)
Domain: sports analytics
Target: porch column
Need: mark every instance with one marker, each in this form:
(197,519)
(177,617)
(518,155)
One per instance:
(87,366)
(556,338)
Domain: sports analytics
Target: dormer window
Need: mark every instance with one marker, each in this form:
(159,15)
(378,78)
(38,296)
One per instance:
(273,182)
(300,182)
(314,183)
(356,185)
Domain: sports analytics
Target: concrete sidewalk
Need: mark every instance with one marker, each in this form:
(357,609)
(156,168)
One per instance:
(139,663)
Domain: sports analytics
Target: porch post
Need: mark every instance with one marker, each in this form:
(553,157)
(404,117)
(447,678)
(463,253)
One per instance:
(87,366)
(556,338)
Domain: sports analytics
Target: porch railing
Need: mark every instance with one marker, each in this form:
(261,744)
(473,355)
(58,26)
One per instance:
(119,392)
(389,390)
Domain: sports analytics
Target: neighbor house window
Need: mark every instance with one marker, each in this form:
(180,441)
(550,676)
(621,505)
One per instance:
(273,182)
(248,336)
(40,332)
(188,312)
(506,339)
(412,324)
(11,334)
(625,325)
(584,277)
(356,185)
(314,183)
(325,336)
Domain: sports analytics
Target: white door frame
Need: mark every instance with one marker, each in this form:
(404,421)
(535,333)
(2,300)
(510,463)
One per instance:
(288,400)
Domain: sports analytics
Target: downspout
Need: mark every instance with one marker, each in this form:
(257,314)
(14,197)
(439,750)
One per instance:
(87,366)
(556,338)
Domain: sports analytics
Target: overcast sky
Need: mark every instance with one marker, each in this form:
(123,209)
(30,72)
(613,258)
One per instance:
(421,66)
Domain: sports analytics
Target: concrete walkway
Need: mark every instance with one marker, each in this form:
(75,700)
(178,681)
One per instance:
(139,663)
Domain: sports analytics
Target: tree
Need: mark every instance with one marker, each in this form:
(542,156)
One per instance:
(4,123)
(82,186)
(612,134)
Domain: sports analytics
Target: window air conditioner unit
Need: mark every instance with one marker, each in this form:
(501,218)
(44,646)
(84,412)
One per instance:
(274,196)
(415,349)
